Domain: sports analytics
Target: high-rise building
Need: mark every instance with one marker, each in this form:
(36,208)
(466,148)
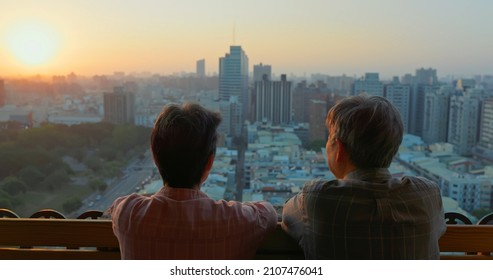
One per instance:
(370,84)
(119,106)
(260,70)
(302,96)
(318,113)
(484,149)
(231,123)
(436,113)
(426,76)
(3,95)
(200,68)
(273,101)
(233,81)
(399,95)
(464,121)
(407,79)
(417,107)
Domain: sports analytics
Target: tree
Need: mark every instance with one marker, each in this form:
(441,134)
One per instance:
(98,184)
(55,180)
(72,204)
(13,186)
(93,162)
(5,200)
(32,176)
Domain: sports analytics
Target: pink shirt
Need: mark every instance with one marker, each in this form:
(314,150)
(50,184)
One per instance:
(187,224)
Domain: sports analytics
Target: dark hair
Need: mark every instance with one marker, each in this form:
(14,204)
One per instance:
(182,140)
(369,127)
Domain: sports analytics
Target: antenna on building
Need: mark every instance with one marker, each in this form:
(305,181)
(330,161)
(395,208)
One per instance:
(234,34)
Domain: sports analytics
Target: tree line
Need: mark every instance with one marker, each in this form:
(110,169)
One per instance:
(33,159)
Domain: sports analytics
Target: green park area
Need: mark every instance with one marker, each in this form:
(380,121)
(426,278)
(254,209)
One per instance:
(56,166)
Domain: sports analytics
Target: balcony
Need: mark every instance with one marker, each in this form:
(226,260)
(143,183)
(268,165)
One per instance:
(48,235)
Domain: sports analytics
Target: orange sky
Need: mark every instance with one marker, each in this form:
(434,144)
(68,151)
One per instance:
(331,37)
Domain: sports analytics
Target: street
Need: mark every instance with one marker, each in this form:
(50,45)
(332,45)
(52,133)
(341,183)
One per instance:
(136,172)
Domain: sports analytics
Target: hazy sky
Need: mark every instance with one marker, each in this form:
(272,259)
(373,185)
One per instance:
(164,36)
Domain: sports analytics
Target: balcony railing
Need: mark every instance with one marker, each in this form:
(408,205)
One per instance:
(48,235)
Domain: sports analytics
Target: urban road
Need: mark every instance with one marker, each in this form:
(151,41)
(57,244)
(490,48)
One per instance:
(133,176)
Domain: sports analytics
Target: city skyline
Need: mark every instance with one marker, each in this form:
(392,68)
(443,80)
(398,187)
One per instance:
(352,38)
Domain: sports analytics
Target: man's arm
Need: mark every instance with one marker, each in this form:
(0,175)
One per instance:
(292,217)
(267,215)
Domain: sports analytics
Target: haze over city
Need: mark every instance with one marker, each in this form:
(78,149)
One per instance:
(295,37)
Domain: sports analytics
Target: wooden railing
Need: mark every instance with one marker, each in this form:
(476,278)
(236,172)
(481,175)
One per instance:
(58,238)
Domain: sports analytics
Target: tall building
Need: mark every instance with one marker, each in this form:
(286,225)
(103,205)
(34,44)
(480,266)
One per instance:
(436,113)
(233,80)
(399,95)
(417,107)
(200,68)
(260,70)
(273,101)
(464,121)
(3,95)
(426,76)
(318,113)
(370,84)
(119,106)
(484,149)
(407,79)
(231,123)
(302,96)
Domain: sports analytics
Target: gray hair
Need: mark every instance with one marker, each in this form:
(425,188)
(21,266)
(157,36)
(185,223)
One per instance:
(369,127)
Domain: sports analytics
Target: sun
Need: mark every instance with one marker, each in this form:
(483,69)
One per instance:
(33,43)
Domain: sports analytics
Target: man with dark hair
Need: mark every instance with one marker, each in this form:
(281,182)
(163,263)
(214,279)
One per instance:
(180,221)
(365,213)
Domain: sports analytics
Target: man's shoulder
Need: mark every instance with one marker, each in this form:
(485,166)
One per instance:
(419,182)
(317,185)
(124,202)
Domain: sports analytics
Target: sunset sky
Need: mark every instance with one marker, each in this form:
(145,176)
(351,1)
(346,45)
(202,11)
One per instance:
(320,36)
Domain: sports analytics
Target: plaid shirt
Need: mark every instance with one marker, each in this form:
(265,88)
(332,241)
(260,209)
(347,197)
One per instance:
(367,215)
(187,224)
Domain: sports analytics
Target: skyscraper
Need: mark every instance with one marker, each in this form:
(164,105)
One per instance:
(260,70)
(417,107)
(3,95)
(436,113)
(119,106)
(399,95)
(426,76)
(484,149)
(318,113)
(463,121)
(273,101)
(201,68)
(370,84)
(231,123)
(233,81)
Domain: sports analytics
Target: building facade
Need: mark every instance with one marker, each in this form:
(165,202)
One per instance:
(426,76)
(260,70)
(417,107)
(233,82)
(3,94)
(484,148)
(370,84)
(273,101)
(436,113)
(399,95)
(463,121)
(119,106)
(200,68)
